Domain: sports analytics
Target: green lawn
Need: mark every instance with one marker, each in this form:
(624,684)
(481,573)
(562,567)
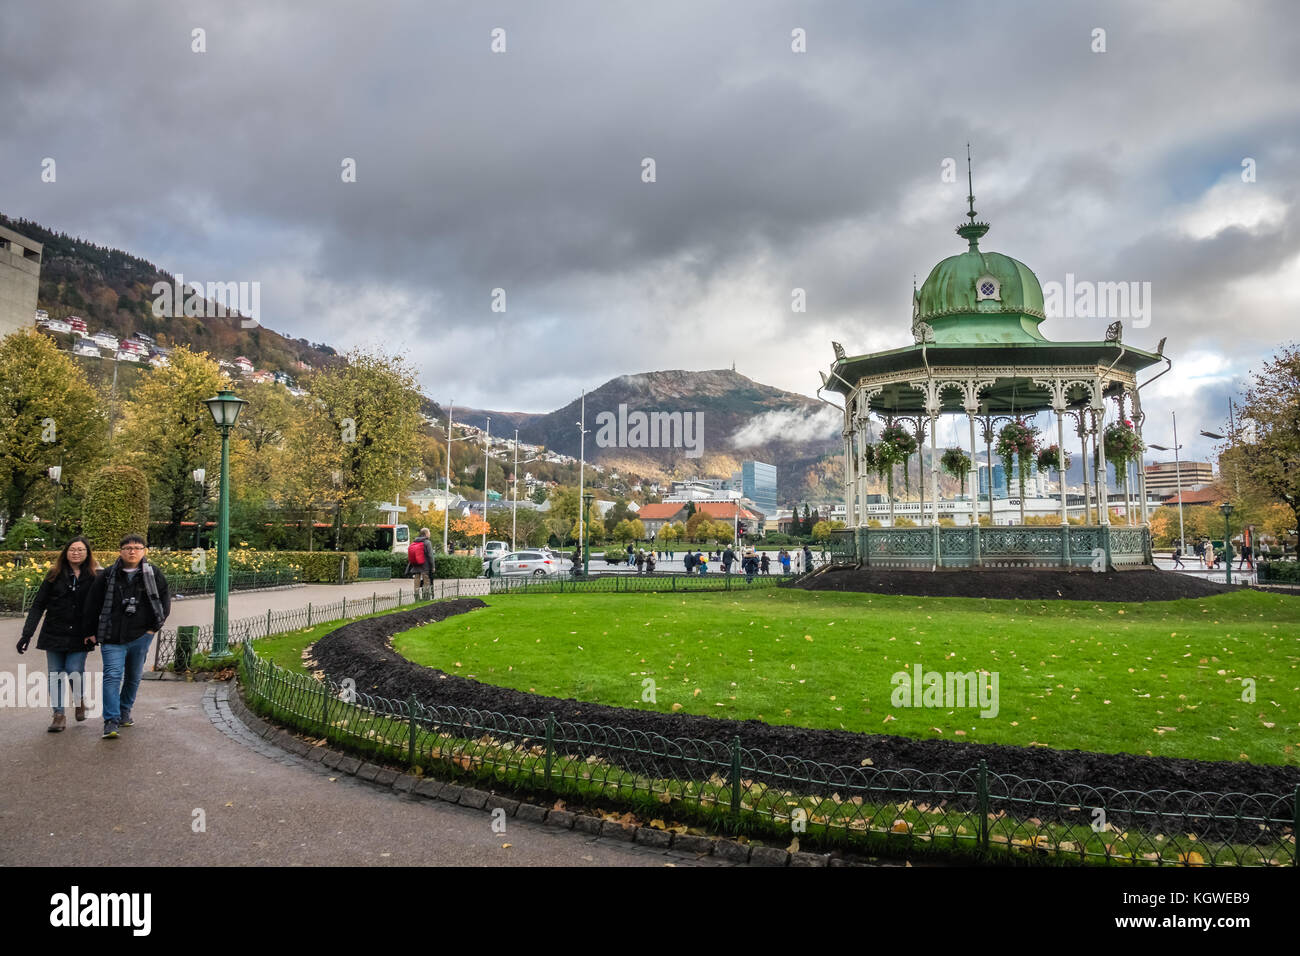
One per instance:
(1163,678)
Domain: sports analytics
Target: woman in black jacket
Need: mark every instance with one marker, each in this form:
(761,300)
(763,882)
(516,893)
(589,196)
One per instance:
(62,599)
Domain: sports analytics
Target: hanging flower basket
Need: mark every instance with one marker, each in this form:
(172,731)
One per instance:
(1017,440)
(956,463)
(1050,457)
(895,447)
(1122,443)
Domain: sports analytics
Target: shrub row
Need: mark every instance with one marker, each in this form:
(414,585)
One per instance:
(455,566)
(322,567)
(29,557)
(1286,572)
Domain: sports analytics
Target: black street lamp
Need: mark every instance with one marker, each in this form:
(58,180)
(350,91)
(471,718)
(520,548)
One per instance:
(199,475)
(225,408)
(1226,508)
(55,474)
(586,533)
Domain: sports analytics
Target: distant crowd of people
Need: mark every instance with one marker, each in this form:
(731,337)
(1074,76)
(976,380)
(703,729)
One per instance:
(1209,558)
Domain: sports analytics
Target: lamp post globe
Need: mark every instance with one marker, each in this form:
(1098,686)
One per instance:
(225,408)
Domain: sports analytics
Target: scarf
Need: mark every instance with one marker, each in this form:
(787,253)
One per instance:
(110,588)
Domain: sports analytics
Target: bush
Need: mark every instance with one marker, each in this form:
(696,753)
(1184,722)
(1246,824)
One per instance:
(394,561)
(32,557)
(322,567)
(455,566)
(616,556)
(1286,572)
(116,504)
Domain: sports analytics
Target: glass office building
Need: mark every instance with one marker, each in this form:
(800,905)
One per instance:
(758,484)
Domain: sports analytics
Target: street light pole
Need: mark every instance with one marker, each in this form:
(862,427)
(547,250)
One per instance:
(514,496)
(225,408)
(586,551)
(1226,508)
(1178,477)
(487,446)
(199,475)
(446,488)
(582,477)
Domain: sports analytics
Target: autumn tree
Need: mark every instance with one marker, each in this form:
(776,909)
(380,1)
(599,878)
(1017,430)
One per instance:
(50,416)
(367,417)
(1270,460)
(167,432)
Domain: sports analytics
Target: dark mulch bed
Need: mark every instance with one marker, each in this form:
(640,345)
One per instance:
(1140,584)
(361,651)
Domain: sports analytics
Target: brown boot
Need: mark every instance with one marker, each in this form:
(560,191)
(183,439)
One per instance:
(79,711)
(57,725)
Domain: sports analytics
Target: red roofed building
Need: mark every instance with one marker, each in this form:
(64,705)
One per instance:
(1209,495)
(728,511)
(656,516)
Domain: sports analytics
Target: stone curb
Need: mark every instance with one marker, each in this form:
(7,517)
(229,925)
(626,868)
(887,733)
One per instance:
(472,798)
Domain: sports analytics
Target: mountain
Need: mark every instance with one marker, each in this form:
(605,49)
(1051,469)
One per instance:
(113,291)
(725,418)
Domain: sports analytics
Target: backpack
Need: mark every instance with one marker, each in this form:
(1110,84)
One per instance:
(415,556)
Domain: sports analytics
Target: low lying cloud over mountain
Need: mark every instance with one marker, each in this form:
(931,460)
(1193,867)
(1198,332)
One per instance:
(789,425)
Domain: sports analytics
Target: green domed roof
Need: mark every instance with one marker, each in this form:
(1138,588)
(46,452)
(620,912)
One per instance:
(980,296)
(953,286)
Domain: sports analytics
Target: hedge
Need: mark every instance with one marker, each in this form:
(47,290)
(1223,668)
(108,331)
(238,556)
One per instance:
(393,561)
(322,567)
(456,566)
(30,557)
(116,504)
(1285,572)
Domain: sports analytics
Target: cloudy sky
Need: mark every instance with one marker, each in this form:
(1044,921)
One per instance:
(522,170)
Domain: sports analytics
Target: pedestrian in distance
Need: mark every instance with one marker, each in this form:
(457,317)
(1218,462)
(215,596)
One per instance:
(629,555)
(649,564)
(807,558)
(703,565)
(420,559)
(765,563)
(640,562)
(125,608)
(784,557)
(61,599)
(728,557)
(1178,557)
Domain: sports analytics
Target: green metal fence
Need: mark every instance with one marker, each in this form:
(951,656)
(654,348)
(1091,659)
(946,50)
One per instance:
(618,583)
(192,584)
(731,787)
(293,619)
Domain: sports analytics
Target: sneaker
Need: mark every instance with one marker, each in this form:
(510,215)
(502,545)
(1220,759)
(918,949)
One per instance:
(57,725)
(126,720)
(110,730)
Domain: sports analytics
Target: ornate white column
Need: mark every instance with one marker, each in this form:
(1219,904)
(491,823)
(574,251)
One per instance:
(1139,417)
(1099,443)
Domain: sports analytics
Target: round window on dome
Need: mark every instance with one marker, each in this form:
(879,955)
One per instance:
(987,287)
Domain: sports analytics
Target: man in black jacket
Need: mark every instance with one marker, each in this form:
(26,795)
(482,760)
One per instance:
(126,606)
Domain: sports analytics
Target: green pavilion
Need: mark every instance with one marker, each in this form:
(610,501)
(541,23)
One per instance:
(978,352)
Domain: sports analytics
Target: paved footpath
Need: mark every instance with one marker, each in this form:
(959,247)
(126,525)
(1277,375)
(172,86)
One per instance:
(72,799)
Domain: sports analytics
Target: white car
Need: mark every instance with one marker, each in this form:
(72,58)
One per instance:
(493,550)
(535,563)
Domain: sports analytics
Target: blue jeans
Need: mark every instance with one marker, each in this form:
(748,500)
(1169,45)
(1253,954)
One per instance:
(62,665)
(123,665)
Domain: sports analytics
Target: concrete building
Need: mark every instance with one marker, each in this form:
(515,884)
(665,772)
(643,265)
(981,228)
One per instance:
(1163,477)
(20,277)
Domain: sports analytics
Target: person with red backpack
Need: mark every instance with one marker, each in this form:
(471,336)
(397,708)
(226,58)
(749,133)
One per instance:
(419,559)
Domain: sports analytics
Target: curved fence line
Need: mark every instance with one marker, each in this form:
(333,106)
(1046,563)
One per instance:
(736,788)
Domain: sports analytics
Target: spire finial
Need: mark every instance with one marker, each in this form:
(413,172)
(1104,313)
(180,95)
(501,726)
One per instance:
(970,185)
(971,231)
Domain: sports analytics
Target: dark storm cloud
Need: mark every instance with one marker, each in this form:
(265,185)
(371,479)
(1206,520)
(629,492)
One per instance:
(522,170)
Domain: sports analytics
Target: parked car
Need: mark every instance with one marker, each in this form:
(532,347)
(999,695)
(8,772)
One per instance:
(494,549)
(535,563)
